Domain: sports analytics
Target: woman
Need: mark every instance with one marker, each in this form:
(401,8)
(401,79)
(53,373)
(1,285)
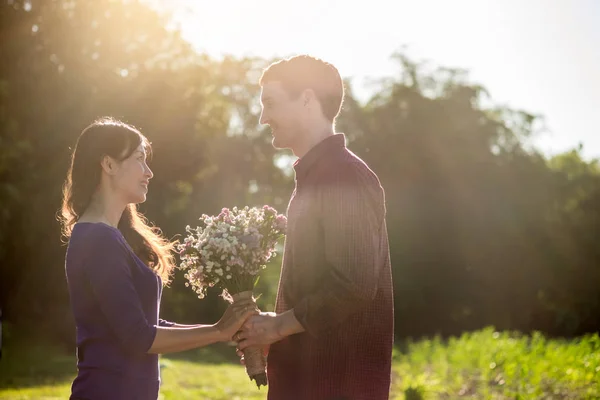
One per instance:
(116,265)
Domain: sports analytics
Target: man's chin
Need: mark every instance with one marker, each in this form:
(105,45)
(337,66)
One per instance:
(277,143)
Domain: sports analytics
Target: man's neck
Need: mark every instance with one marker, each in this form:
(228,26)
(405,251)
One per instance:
(313,138)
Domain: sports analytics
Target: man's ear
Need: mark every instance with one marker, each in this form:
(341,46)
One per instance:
(308,97)
(109,165)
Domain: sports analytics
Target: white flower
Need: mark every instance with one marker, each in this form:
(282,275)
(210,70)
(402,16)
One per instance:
(228,277)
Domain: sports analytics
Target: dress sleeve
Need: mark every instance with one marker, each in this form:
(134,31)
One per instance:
(165,323)
(108,272)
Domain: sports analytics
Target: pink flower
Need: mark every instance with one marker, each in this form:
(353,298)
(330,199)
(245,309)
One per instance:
(281,223)
(224,215)
(269,210)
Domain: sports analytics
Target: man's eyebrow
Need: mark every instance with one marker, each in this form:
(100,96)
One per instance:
(266,98)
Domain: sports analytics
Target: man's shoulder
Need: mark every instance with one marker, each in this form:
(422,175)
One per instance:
(348,161)
(347,165)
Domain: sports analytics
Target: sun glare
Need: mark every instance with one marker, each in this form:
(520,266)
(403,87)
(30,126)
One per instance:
(515,49)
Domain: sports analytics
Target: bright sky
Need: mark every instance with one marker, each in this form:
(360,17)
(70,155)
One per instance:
(542,56)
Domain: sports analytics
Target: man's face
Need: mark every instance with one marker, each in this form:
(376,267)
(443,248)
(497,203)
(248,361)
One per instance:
(283,114)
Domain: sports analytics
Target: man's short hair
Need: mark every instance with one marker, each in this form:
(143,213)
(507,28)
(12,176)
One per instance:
(305,72)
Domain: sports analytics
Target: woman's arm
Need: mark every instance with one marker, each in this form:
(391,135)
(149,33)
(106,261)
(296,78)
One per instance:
(174,339)
(169,324)
(109,275)
(171,340)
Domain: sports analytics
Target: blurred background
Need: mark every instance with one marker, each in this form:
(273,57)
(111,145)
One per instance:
(480,119)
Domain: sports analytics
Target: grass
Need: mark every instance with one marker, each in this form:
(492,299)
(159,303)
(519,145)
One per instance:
(499,365)
(478,365)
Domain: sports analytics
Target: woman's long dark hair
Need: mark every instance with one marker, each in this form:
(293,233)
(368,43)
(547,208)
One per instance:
(109,137)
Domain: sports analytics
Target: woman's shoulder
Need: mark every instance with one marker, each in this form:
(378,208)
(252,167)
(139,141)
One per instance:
(89,235)
(96,231)
(93,243)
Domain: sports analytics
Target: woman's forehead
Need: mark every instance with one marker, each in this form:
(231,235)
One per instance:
(142,148)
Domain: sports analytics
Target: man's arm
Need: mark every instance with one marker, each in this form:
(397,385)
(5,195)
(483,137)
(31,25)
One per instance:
(353,212)
(267,328)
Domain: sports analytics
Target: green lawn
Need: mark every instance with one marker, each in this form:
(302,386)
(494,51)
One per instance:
(480,365)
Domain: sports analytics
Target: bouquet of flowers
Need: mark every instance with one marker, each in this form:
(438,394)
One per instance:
(228,251)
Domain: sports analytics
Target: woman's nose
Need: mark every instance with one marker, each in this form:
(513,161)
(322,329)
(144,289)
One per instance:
(149,172)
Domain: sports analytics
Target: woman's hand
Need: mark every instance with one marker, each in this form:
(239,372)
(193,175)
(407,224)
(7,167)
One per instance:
(234,317)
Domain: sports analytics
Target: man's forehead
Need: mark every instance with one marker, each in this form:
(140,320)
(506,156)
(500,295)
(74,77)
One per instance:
(271,89)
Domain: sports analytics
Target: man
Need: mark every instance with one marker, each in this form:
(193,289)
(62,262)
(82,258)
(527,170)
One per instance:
(331,334)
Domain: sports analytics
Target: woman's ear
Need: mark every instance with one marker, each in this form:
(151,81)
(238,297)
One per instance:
(109,165)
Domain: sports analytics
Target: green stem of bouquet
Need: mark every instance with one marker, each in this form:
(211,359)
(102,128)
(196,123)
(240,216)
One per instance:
(239,283)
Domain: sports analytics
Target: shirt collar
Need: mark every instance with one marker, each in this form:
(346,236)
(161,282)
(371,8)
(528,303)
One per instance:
(325,146)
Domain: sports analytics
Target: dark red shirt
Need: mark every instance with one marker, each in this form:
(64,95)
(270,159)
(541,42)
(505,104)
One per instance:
(336,275)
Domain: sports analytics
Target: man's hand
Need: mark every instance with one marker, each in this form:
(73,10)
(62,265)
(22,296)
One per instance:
(259,330)
(267,328)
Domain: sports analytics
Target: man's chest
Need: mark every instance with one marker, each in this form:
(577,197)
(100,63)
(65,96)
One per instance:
(304,261)
(304,217)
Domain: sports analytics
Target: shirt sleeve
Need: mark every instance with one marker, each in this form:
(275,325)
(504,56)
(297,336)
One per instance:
(353,212)
(109,275)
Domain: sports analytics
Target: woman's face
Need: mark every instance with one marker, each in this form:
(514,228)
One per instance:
(133,176)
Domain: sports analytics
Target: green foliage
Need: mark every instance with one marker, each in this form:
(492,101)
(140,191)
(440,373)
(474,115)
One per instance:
(489,364)
(74,61)
(482,230)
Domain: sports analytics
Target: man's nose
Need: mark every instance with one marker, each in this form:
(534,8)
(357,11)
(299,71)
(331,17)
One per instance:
(263,118)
